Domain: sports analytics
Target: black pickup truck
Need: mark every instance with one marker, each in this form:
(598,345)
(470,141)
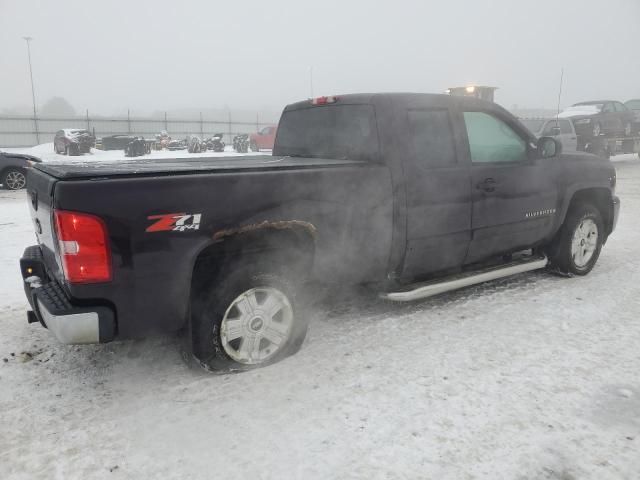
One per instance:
(413,194)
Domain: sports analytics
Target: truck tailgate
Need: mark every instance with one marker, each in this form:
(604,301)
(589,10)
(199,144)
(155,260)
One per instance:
(40,187)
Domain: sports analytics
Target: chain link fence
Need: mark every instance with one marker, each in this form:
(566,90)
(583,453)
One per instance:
(25,131)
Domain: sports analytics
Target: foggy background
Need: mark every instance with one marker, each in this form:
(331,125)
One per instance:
(151,56)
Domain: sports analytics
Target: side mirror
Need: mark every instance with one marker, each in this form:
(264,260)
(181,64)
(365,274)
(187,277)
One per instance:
(549,147)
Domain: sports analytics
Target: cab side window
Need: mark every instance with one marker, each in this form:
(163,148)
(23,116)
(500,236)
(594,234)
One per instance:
(565,126)
(431,138)
(551,128)
(608,108)
(493,141)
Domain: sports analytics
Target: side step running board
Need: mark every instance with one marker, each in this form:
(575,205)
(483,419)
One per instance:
(429,289)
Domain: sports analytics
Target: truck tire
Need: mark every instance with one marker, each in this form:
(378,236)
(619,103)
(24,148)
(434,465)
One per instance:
(576,248)
(248,319)
(13,179)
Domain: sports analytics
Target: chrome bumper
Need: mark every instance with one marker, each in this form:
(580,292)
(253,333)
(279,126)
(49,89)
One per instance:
(74,328)
(69,323)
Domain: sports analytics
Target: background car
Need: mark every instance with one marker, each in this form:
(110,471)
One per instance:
(561,129)
(136,147)
(600,117)
(634,106)
(13,169)
(195,144)
(264,139)
(177,145)
(241,143)
(117,142)
(73,141)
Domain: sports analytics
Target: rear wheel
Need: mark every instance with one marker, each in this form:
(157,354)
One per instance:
(249,318)
(13,179)
(576,248)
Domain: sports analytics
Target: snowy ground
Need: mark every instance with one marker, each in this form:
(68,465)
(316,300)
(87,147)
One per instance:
(46,153)
(533,377)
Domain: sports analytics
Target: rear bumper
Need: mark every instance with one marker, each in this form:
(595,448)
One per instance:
(69,323)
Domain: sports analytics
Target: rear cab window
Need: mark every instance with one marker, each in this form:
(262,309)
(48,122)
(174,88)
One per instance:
(431,138)
(337,131)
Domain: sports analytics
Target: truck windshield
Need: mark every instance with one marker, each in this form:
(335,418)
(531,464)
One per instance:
(333,131)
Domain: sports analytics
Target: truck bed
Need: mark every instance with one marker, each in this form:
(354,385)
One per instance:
(171,166)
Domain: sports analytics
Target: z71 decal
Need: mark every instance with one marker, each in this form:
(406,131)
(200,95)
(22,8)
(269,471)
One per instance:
(174,222)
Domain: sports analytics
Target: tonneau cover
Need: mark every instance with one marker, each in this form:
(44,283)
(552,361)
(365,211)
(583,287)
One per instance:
(168,166)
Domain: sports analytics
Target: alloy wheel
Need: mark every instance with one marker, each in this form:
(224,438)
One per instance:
(584,242)
(15,180)
(257,325)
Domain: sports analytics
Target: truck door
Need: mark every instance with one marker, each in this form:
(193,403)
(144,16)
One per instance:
(561,129)
(568,136)
(514,195)
(438,193)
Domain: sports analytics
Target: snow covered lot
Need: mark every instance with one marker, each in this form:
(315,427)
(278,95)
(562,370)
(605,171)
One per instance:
(46,154)
(533,377)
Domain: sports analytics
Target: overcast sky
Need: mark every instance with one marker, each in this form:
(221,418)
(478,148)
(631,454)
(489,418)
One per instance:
(111,55)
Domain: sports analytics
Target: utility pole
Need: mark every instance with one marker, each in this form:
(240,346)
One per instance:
(33,91)
(559,94)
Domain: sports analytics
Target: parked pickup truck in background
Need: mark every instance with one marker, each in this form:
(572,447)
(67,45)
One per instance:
(561,129)
(412,194)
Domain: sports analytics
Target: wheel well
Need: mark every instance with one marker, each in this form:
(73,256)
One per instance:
(8,169)
(599,198)
(291,248)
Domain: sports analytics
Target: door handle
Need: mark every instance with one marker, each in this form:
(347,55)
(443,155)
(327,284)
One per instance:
(488,185)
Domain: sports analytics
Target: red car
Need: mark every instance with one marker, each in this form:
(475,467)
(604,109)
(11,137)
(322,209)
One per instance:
(264,139)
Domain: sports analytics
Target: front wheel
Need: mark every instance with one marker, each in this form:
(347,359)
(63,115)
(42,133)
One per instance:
(248,320)
(576,248)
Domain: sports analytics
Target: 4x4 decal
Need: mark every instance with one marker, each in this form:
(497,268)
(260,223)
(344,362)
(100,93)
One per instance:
(174,222)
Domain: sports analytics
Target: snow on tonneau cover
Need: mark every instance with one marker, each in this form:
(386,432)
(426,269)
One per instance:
(168,166)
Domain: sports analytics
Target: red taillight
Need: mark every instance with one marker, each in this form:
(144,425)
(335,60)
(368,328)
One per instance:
(84,248)
(324,100)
